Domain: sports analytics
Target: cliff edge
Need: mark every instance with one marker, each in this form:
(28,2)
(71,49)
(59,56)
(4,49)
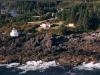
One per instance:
(69,50)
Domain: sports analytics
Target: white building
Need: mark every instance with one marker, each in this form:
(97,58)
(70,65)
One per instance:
(46,24)
(14,33)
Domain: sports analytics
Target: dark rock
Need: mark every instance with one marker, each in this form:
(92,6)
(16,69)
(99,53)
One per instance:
(68,50)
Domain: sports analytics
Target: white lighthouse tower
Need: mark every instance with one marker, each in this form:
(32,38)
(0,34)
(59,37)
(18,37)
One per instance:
(14,33)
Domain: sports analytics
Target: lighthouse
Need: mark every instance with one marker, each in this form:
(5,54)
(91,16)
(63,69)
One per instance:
(14,33)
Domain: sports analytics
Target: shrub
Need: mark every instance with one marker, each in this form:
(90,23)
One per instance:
(33,29)
(62,29)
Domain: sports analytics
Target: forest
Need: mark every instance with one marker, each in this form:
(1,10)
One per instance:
(85,15)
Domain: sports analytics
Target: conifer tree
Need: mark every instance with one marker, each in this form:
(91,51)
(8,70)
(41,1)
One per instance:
(80,20)
(73,15)
(85,20)
(63,15)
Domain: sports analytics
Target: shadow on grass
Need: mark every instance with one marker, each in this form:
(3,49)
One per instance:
(74,32)
(54,25)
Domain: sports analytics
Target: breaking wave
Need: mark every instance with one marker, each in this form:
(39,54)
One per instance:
(31,65)
(88,66)
(40,66)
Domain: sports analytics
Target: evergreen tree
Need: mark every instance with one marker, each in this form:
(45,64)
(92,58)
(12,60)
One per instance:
(63,18)
(85,20)
(80,20)
(72,15)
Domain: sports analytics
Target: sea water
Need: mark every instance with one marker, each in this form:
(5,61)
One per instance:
(48,68)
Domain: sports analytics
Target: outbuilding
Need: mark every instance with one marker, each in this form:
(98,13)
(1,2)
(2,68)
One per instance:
(71,24)
(46,24)
(14,33)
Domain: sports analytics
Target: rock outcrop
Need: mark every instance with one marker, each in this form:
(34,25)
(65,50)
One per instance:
(69,50)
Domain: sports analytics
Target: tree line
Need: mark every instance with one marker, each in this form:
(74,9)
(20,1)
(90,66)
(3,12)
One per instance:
(86,16)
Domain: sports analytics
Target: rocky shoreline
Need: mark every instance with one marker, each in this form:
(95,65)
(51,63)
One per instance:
(69,50)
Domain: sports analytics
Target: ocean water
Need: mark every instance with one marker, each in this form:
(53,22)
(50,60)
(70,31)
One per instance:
(48,68)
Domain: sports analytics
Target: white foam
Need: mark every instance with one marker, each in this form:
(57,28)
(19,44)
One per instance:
(88,66)
(13,65)
(10,65)
(36,65)
(32,65)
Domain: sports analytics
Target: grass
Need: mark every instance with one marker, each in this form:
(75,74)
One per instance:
(32,27)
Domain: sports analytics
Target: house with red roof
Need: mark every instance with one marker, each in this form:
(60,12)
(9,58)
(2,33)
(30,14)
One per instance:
(71,24)
(46,24)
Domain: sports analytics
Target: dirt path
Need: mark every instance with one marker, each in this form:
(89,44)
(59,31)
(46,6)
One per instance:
(36,22)
(60,22)
(39,22)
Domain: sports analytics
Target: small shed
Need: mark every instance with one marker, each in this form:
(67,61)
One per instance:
(71,24)
(46,24)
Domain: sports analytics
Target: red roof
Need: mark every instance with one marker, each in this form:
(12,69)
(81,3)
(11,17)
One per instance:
(71,23)
(46,22)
